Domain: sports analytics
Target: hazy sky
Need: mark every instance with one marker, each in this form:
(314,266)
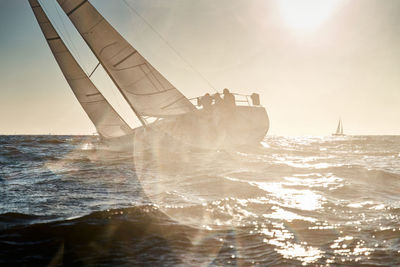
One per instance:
(310,62)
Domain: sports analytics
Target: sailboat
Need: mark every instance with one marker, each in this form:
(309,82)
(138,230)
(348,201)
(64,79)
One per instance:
(163,111)
(339,129)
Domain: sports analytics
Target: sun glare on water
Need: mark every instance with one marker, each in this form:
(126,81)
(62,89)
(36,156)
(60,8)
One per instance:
(306,15)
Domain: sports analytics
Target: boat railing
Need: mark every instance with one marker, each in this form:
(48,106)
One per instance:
(252,100)
(240,100)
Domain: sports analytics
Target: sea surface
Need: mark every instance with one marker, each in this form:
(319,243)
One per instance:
(291,201)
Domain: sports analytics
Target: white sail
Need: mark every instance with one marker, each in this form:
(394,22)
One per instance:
(338,127)
(146,90)
(106,120)
(341,127)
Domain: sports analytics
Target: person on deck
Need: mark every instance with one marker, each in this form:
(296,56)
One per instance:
(229,99)
(217,100)
(206,101)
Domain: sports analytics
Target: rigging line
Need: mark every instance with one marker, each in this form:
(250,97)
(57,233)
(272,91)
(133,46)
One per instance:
(98,64)
(108,83)
(114,93)
(53,21)
(70,39)
(171,47)
(60,33)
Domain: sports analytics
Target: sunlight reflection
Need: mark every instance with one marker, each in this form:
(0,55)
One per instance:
(287,215)
(350,249)
(87,146)
(292,198)
(315,180)
(281,239)
(305,254)
(303,163)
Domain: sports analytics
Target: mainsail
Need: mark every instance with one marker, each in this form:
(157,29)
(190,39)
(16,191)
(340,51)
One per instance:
(146,90)
(106,120)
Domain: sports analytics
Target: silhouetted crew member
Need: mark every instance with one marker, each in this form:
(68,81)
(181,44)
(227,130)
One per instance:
(229,99)
(206,101)
(217,100)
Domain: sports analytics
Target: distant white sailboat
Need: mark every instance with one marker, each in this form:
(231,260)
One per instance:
(339,129)
(161,108)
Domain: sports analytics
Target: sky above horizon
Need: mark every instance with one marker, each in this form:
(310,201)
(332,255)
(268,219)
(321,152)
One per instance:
(310,62)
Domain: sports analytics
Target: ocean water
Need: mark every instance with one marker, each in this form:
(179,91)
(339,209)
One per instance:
(291,201)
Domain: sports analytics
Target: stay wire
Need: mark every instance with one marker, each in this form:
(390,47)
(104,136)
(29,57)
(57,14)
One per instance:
(170,46)
(61,34)
(55,25)
(76,51)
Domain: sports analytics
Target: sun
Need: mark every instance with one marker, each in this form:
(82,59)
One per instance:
(306,15)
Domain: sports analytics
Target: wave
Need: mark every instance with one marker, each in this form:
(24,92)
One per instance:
(51,141)
(376,176)
(144,236)
(265,200)
(12,219)
(10,150)
(136,236)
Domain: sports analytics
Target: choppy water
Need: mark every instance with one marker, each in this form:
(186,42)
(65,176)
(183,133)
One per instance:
(292,201)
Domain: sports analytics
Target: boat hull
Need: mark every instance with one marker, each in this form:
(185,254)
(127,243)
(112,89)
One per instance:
(206,129)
